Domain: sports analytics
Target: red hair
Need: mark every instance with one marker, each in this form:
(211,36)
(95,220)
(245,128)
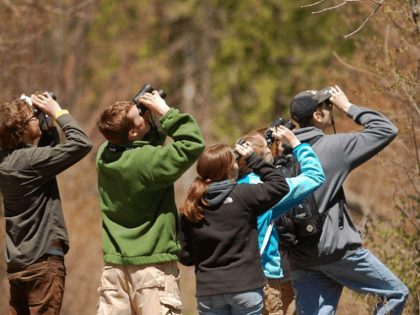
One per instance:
(114,124)
(213,165)
(258,144)
(13,118)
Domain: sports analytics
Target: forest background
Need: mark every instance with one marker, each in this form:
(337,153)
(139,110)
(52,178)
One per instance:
(234,65)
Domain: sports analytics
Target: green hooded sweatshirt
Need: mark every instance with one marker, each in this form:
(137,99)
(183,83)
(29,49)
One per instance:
(136,192)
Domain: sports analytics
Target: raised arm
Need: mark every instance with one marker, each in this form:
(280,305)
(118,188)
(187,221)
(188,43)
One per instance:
(261,197)
(311,177)
(169,162)
(50,161)
(359,147)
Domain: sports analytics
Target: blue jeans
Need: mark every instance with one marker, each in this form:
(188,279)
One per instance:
(318,289)
(240,303)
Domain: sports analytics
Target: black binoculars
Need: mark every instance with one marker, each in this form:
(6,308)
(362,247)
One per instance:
(147,88)
(240,142)
(37,111)
(268,134)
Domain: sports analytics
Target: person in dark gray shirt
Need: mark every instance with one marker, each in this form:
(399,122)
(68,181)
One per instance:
(36,234)
(320,270)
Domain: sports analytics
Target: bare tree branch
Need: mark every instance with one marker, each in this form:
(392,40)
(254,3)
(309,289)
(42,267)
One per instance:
(59,11)
(47,8)
(404,87)
(312,4)
(407,174)
(354,68)
(379,4)
(331,8)
(80,6)
(316,3)
(12,7)
(361,26)
(407,215)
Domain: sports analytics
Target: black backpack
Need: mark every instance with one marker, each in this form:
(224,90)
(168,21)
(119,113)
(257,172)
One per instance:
(303,223)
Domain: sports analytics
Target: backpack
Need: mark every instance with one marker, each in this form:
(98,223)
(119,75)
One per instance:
(301,225)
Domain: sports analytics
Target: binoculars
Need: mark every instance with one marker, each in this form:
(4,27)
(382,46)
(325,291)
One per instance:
(268,134)
(145,89)
(44,120)
(240,142)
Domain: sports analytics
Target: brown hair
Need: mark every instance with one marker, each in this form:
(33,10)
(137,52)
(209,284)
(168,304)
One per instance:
(213,165)
(13,117)
(258,143)
(114,124)
(309,122)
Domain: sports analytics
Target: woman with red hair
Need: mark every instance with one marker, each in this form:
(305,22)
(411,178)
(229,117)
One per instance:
(219,227)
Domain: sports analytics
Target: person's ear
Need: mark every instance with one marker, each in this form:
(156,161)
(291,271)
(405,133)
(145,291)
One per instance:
(132,134)
(317,116)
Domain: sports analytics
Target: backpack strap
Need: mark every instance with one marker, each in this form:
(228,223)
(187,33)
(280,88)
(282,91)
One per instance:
(340,193)
(115,148)
(288,149)
(341,201)
(314,140)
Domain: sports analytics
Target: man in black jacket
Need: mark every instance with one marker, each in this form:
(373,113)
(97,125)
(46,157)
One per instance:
(36,234)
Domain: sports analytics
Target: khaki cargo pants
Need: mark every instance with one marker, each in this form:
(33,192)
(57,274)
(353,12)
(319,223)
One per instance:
(141,290)
(279,298)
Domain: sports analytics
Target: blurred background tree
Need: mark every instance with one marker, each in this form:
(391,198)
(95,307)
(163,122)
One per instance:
(234,65)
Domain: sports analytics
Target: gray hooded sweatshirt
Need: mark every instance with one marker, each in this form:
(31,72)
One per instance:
(32,206)
(339,154)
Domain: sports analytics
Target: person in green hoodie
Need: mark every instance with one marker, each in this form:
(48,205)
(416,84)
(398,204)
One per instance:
(136,176)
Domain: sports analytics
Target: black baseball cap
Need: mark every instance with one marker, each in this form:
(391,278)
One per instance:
(305,104)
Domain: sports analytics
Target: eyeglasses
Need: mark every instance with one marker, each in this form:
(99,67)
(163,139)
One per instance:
(34,116)
(329,104)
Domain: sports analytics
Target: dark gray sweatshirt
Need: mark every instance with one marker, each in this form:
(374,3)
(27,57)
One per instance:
(32,206)
(339,154)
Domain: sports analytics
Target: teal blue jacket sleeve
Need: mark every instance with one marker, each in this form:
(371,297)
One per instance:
(311,177)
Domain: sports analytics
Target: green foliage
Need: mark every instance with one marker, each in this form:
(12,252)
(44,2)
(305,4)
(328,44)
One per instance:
(123,45)
(257,54)
(267,48)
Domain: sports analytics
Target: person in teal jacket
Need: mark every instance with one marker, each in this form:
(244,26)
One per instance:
(136,176)
(311,177)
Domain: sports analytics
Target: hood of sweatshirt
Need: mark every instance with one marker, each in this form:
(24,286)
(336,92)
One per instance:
(308,133)
(218,192)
